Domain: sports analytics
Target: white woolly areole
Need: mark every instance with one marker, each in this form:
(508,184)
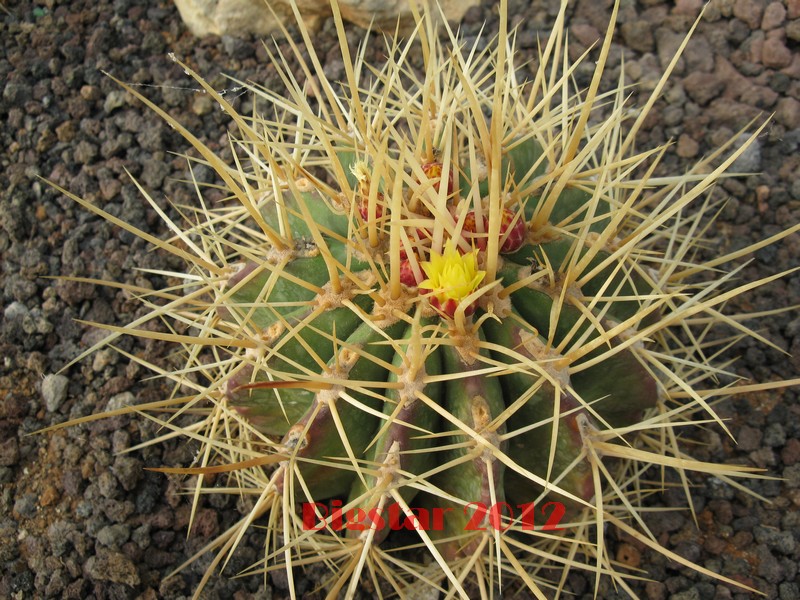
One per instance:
(547,359)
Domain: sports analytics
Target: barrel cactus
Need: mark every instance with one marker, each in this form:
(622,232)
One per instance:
(447,319)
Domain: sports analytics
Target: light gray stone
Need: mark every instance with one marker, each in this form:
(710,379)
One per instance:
(750,160)
(122,400)
(54,391)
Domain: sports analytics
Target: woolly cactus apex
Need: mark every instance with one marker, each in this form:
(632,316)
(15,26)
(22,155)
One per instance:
(472,370)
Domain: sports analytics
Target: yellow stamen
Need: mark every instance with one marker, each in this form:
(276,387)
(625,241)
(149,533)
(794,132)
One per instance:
(452,276)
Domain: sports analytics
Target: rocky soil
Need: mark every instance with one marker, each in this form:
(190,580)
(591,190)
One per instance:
(79,515)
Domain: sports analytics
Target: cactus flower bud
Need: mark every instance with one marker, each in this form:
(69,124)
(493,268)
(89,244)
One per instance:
(514,234)
(477,239)
(433,170)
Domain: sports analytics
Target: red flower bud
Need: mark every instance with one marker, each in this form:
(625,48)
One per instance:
(407,276)
(433,170)
(514,235)
(363,206)
(477,239)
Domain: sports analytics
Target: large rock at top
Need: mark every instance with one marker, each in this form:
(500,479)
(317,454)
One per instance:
(238,17)
(384,14)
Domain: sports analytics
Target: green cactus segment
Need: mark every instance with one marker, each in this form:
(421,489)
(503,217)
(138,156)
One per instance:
(508,338)
(619,388)
(518,162)
(555,319)
(306,332)
(290,212)
(535,303)
(531,447)
(614,279)
(316,440)
(475,475)
(348,158)
(273,411)
(270,411)
(571,210)
(526,156)
(522,164)
(402,439)
(260,295)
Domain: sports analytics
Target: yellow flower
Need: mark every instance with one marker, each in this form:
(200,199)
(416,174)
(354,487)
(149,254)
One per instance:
(451,278)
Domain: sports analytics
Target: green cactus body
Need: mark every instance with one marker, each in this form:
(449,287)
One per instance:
(401,448)
(402,341)
(476,476)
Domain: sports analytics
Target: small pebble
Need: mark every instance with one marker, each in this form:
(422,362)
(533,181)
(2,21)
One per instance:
(774,16)
(114,100)
(54,391)
(16,311)
(112,566)
(687,146)
(114,536)
(122,400)
(748,161)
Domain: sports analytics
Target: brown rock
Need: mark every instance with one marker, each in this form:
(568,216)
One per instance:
(775,54)
(715,545)
(793,9)
(725,7)
(793,30)
(756,46)
(735,82)
(787,113)
(112,566)
(66,131)
(761,96)
(655,590)
(690,8)
(667,44)
(791,452)
(205,523)
(629,555)
(638,35)
(699,55)
(687,147)
(90,93)
(109,188)
(49,496)
(749,11)
(585,34)
(790,168)
(594,12)
(732,114)
(703,87)
(774,16)
(793,71)
(202,104)
(9,452)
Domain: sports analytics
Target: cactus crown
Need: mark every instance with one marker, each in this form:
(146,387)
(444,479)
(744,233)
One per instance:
(441,288)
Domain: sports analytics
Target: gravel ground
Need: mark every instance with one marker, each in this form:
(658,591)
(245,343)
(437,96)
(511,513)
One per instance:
(80,518)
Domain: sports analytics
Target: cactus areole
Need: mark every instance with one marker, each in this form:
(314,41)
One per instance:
(449,298)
